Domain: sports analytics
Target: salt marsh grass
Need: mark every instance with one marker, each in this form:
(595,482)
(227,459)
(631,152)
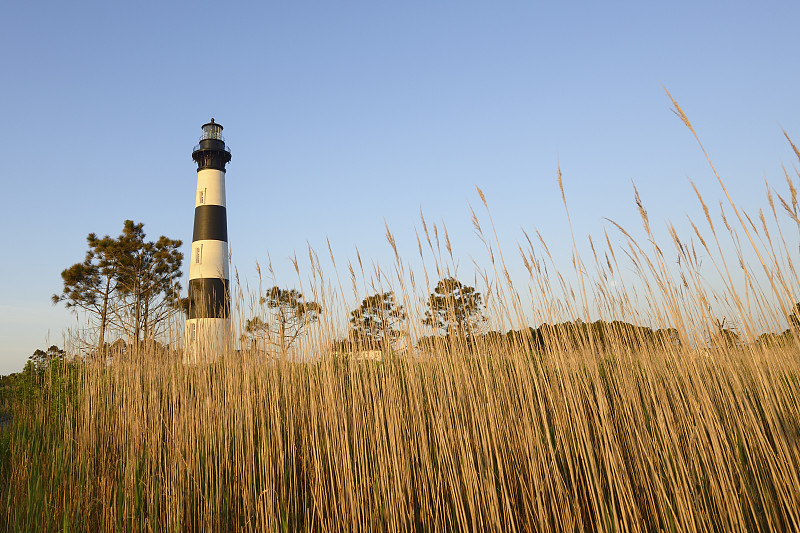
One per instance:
(574,428)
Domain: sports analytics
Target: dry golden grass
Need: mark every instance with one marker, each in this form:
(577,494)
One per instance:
(604,431)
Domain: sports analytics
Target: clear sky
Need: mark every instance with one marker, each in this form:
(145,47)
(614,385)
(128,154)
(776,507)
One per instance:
(343,115)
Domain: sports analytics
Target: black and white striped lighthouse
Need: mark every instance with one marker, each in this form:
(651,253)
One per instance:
(208,325)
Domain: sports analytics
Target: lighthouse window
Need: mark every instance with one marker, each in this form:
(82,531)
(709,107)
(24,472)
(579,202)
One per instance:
(203,196)
(198,254)
(194,331)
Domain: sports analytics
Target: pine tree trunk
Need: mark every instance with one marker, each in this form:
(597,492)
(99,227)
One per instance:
(137,323)
(101,341)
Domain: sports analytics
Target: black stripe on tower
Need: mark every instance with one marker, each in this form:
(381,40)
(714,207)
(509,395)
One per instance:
(208,298)
(210,223)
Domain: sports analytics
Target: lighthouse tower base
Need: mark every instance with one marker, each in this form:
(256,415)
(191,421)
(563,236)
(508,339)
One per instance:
(206,340)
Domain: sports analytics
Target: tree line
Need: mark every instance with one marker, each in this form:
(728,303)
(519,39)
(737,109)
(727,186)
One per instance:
(453,309)
(132,286)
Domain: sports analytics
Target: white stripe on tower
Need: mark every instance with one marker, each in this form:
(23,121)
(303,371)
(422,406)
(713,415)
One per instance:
(208,324)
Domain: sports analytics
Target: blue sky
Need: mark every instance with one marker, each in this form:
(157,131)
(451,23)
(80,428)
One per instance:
(343,115)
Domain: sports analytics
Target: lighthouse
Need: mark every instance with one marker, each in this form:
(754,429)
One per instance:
(208,325)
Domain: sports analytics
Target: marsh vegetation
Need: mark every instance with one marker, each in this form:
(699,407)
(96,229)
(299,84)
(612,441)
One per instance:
(591,423)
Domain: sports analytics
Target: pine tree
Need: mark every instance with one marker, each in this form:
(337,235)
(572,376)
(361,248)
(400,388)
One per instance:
(375,321)
(125,282)
(455,309)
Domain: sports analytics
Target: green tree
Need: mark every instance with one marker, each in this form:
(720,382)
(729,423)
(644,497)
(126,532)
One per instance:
(91,285)
(455,309)
(794,318)
(375,321)
(43,368)
(256,331)
(723,337)
(126,282)
(41,359)
(289,314)
(148,286)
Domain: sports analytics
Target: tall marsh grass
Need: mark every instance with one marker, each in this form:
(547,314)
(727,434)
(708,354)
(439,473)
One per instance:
(606,430)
